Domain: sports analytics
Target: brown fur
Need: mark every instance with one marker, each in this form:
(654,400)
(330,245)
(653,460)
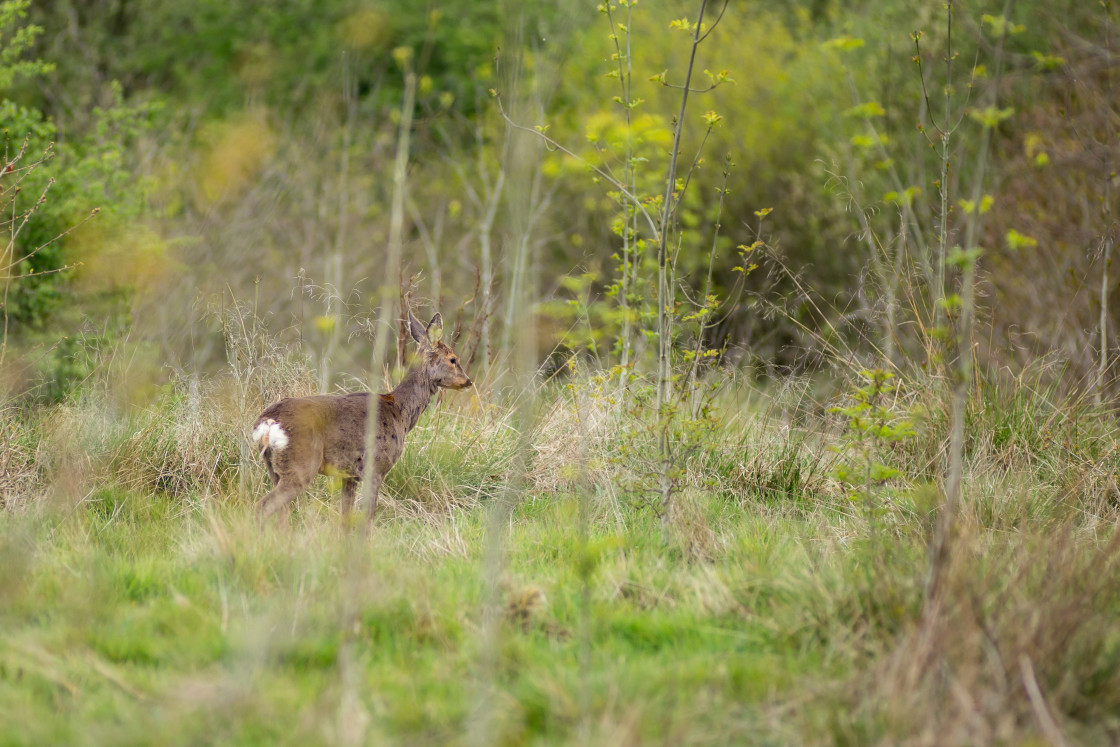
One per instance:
(326,433)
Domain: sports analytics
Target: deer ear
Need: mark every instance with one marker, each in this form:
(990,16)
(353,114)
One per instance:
(435,328)
(416,329)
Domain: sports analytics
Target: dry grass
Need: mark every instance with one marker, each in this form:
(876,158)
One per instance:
(20,462)
(1023,644)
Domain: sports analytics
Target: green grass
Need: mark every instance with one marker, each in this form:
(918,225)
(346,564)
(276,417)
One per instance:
(154,624)
(160,623)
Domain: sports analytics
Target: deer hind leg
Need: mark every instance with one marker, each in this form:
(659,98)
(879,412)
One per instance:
(286,489)
(293,467)
(292,478)
(349,488)
(271,472)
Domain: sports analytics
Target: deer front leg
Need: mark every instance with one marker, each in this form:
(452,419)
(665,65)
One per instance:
(375,479)
(349,488)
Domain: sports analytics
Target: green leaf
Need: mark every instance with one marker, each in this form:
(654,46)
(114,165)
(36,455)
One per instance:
(963,258)
(1000,26)
(1047,61)
(1017,241)
(969,206)
(906,197)
(867,110)
(991,116)
(843,43)
(951,302)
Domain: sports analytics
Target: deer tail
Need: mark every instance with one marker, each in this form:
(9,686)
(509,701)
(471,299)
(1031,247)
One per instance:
(269,434)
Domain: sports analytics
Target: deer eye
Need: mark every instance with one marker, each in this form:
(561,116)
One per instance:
(454,361)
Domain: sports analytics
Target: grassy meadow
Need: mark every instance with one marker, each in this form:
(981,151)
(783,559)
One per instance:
(510,593)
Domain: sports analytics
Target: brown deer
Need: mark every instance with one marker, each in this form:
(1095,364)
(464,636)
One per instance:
(303,436)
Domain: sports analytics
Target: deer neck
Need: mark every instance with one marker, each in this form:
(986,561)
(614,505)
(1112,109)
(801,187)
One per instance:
(413,395)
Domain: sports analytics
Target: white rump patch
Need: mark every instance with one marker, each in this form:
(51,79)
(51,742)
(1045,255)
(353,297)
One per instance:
(269,434)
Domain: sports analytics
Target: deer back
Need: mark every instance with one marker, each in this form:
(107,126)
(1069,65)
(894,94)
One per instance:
(324,432)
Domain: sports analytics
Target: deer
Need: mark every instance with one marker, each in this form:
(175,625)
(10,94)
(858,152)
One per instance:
(300,437)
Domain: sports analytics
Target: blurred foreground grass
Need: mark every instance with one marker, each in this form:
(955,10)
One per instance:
(144,620)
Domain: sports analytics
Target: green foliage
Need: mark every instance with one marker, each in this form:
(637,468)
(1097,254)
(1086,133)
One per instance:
(1016,240)
(1000,25)
(872,428)
(871,425)
(49,190)
(24,186)
(16,38)
(88,174)
(288,53)
(770,83)
(689,421)
(780,99)
(48,193)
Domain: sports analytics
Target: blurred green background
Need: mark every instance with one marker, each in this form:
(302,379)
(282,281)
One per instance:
(242,151)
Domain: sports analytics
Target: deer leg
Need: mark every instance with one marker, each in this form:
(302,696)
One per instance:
(267,454)
(375,479)
(286,489)
(349,487)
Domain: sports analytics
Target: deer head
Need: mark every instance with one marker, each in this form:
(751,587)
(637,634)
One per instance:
(438,359)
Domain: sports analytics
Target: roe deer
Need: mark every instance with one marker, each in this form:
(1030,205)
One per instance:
(303,436)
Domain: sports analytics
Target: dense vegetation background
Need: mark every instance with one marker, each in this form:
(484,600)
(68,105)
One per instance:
(875,410)
(243,151)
